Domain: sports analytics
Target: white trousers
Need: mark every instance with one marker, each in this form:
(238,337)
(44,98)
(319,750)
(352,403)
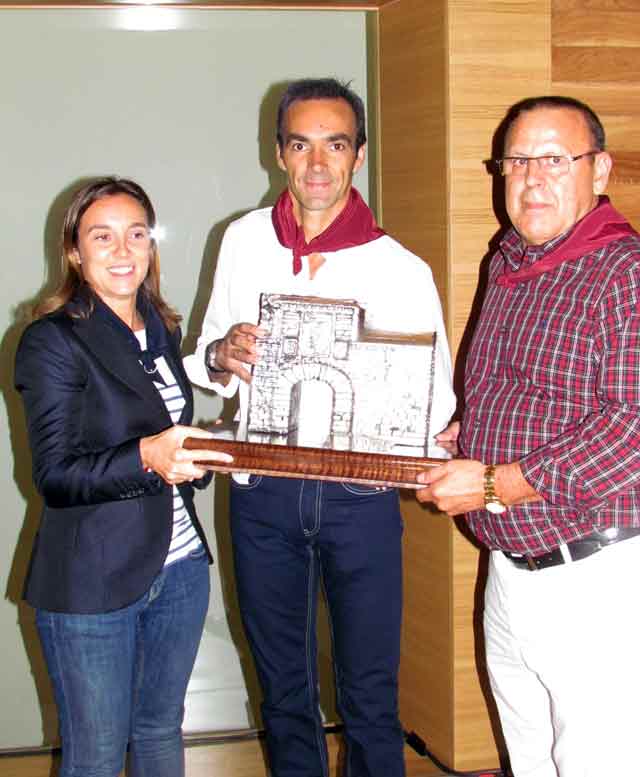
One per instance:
(563,653)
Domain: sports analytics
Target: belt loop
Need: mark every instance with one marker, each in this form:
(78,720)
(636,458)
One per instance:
(565,553)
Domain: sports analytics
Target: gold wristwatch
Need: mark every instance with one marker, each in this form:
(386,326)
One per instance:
(491,502)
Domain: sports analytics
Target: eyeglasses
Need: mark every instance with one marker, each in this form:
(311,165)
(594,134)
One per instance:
(554,165)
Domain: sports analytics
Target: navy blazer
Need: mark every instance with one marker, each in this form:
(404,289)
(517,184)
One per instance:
(106,524)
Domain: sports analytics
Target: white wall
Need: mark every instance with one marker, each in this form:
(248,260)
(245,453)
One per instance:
(183,102)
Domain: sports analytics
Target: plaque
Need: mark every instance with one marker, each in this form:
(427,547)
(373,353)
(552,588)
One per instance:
(374,469)
(331,399)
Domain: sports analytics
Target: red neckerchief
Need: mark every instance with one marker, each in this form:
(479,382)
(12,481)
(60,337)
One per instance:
(598,228)
(353,226)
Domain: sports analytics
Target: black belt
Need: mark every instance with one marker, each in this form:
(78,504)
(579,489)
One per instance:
(576,550)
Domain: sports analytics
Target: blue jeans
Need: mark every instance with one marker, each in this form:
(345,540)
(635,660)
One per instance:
(120,677)
(289,536)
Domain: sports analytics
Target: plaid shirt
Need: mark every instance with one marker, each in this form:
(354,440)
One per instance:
(553,381)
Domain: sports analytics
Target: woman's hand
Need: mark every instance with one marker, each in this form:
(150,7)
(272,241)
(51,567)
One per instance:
(163,453)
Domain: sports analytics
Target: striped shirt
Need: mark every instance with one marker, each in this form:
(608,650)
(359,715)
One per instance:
(553,381)
(184,537)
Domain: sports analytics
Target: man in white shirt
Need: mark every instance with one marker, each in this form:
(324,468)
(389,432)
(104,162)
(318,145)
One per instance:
(320,239)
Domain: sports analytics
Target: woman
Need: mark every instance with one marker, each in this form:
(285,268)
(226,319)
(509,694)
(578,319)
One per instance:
(119,572)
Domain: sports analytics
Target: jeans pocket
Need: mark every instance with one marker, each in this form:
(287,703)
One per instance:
(360,489)
(254,482)
(197,553)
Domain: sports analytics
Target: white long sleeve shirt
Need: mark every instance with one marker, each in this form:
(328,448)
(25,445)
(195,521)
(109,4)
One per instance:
(394,287)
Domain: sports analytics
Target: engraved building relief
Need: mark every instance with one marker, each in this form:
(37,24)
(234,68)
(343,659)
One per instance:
(323,380)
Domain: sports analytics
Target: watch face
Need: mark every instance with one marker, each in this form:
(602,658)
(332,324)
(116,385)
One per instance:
(495,507)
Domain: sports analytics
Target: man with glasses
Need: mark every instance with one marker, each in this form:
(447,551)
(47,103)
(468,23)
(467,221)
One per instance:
(549,474)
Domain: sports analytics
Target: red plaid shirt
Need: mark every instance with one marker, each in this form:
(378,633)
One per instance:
(553,381)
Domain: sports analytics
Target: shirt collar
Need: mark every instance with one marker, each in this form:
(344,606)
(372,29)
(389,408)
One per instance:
(518,254)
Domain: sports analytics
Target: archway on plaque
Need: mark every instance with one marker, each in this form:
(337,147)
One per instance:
(311,413)
(286,419)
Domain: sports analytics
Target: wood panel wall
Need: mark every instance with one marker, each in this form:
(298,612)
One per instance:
(499,53)
(596,57)
(413,198)
(488,71)
(413,128)
(449,69)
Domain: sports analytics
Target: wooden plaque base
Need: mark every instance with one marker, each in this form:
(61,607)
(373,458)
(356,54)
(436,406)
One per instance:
(374,469)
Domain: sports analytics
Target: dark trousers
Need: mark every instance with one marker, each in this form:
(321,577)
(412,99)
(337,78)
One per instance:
(288,536)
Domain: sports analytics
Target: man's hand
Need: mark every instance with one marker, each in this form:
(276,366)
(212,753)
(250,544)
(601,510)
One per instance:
(458,486)
(237,349)
(448,438)
(454,487)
